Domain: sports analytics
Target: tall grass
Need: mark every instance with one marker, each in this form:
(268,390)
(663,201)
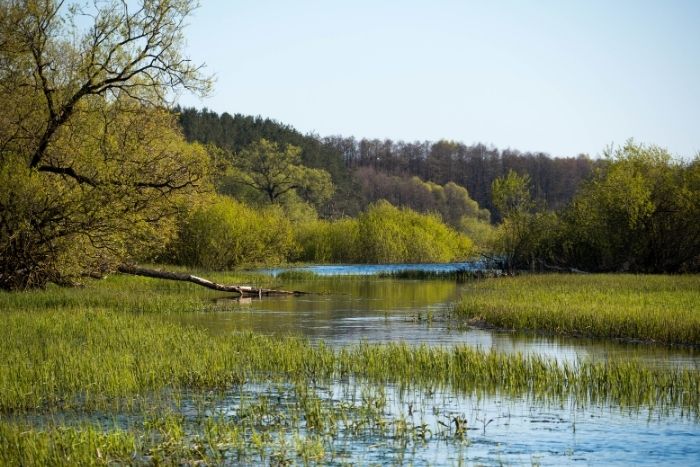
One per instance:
(663,309)
(102,360)
(128,294)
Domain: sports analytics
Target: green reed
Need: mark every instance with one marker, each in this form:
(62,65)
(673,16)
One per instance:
(664,309)
(98,359)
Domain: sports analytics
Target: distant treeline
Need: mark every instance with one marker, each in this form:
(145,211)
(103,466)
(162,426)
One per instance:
(553,180)
(234,133)
(636,209)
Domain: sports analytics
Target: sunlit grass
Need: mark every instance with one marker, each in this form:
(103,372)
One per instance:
(129,293)
(97,359)
(663,309)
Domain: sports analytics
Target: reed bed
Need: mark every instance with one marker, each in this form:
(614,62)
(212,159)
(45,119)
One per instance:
(98,359)
(22,444)
(663,309)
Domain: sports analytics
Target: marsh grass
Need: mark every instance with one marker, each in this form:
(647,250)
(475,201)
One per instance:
(108,350)
(276,423)
(664,309)
(128,293)
(90,359)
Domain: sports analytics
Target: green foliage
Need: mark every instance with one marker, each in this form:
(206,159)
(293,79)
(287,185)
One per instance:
(393,235)
(511,194)
(233,133)
(383,234)
(227,234)
(638,213)
(517,234)
(274,172)
(141,173)
(451,201)
(329,241)
(92,169)
(481,232)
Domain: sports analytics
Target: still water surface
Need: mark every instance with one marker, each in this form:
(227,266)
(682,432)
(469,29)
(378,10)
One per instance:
(346,310)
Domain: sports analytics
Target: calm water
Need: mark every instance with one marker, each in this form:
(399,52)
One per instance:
(346,309)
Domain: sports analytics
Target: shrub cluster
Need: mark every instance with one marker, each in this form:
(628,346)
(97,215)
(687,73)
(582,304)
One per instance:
(228,233)
(383,234)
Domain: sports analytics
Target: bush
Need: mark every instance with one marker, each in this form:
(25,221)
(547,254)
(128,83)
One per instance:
(391,235)
(638,213)
(383,234)
(329,241)
(228,233)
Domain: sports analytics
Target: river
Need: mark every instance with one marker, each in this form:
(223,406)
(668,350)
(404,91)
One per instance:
(349,305)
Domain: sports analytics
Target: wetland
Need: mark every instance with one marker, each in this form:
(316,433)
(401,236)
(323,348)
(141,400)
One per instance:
(366,369)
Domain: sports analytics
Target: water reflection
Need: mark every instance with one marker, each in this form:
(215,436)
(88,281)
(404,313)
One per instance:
(374,269)
(347,310)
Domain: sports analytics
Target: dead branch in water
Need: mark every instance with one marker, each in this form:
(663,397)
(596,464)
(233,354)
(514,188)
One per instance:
(243,290)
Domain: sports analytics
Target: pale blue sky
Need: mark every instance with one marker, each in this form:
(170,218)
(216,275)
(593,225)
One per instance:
(563,77)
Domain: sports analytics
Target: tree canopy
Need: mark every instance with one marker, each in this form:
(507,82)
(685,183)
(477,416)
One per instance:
(640,213)
(275,171)
(92,165)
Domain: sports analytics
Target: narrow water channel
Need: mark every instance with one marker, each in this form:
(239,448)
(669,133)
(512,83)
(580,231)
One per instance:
(347,309)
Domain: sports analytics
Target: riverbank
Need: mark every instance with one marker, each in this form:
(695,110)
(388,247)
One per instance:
(647,308)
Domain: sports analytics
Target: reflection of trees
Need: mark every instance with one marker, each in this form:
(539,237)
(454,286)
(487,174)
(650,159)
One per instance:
(342,297)
(364,293)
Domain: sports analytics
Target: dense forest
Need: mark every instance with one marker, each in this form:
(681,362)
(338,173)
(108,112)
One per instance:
(359,167)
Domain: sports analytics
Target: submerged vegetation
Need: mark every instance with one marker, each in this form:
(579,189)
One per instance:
(662,309)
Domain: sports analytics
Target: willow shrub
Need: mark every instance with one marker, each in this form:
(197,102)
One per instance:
(328,241)
(228,233)
(383,234)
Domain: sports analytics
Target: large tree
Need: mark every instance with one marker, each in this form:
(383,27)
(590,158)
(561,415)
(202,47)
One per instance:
(525,232)
(92,165)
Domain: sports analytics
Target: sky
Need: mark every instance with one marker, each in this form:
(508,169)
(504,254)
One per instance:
(561,77)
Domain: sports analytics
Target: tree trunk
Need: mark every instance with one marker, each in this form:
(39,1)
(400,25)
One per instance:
(243,290)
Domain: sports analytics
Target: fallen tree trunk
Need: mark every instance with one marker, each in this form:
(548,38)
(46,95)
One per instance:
(243,290)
